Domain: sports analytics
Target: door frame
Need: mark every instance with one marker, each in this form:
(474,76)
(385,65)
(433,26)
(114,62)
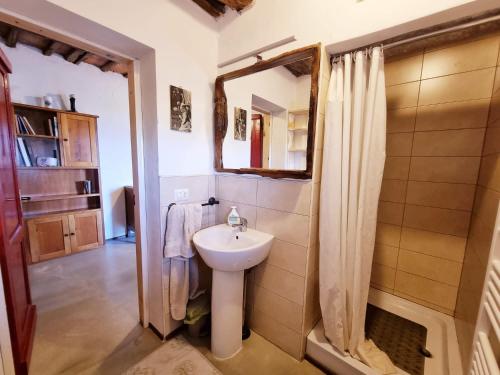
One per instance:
(137,146)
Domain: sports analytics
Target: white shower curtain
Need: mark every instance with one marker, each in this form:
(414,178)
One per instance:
(353,164)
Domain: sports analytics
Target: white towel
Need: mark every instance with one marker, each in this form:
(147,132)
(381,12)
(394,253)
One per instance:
(183,222)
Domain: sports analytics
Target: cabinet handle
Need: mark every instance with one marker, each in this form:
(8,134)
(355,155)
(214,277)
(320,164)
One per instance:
(65,139)
(66,235)
(72,233)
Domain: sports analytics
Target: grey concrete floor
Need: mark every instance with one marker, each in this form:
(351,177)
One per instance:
(88,313)
(88,321)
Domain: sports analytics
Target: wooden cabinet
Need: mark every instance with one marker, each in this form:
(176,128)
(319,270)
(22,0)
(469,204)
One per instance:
(58,235)
(79,141)
(49,237)
(85,230)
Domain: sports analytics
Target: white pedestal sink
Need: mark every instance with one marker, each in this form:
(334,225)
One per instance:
(229,252)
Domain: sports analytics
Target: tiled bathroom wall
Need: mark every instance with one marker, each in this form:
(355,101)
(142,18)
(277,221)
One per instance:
(438,103)
(200,189)
(481,231)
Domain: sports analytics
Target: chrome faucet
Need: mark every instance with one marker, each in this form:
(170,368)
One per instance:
(242,226)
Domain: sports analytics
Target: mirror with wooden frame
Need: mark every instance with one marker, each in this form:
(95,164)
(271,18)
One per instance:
(265,116)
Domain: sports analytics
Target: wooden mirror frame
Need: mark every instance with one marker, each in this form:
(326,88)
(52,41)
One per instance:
(221,116)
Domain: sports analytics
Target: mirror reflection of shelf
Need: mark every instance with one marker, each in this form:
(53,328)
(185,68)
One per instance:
(53,197)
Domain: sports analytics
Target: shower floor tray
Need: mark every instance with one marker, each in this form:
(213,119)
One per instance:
(401,339)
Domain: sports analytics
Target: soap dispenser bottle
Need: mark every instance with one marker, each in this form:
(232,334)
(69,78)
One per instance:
(234,217)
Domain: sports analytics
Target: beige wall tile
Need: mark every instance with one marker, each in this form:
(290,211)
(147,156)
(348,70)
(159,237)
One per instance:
(442,195)
(280,335)
(445,169)
(438,220)
(401,120)
(237,189)
(480,238)
(197,185)
(399,144)
(281,282)
(284,195)
(396,167)
(403,95)
(271,304)
(425,303)
(496,84)
(477,84)
(492,141)
(284,226)
(245,210)
(390,212)
(388,234)
(455,115)
(406,69)
(383,276)
(494,116)
(393,191)
(288,256)
(486,205)
(489,175)
(464,142)
(428,290)
(386,255)
(438,269)
(436,244)
(457,59)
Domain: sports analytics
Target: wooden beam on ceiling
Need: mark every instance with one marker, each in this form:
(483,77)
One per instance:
(107,67)
(11,38)
(74,55)
(213,7)
(237,5)
(82,57)
(50,48)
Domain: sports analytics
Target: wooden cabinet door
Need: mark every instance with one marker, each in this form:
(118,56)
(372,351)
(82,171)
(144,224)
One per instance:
(85,230)
(79,141)
(49,237)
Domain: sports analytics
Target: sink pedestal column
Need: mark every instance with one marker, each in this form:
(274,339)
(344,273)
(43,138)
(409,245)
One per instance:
(227,312)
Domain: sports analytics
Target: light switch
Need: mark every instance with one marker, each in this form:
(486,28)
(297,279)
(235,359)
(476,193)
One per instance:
(181,195)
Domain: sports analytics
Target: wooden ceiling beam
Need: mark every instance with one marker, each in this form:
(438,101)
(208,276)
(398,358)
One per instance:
(74,55)
(50,48)
(107,67)
(213,7)
(237,5)
(11,38)
(82,57)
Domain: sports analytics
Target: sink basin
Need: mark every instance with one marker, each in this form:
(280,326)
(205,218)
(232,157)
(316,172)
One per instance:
(229,252)
(223,248)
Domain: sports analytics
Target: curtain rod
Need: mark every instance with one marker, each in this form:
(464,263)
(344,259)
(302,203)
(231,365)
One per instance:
(426,35)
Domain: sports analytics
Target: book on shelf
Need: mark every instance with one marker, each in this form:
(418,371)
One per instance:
(24,126)
(23,150)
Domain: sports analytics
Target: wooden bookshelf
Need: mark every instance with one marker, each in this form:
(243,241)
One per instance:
(61,218)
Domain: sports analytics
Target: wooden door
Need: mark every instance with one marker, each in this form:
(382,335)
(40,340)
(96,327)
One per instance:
(85,230)
(79,140)
(20,311)
(256,141)
(49,237)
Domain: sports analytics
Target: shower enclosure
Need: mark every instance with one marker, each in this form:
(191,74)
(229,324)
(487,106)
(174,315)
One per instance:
(439,196)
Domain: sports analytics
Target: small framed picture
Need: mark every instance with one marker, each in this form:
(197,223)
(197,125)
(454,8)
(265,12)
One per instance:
(180,109)
(240,124)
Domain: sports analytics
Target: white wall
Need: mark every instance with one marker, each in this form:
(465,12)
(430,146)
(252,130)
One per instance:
(103,94)
(185,39)
(329,21)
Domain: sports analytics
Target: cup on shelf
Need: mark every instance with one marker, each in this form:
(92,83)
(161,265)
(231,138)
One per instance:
(85,186)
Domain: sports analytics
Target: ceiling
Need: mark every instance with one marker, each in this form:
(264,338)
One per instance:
(12,35)
(217,8)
